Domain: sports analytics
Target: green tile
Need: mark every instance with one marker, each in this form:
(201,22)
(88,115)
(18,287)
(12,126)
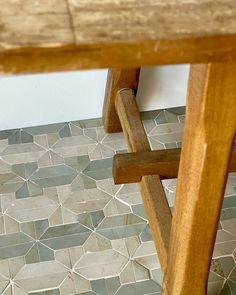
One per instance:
(146,234)
(68,241)
(170,117)
(229,202)
(223,265)
(64,230)
(139,288)
(82,182)
(51,128)
(54,176)
(20,136)
(65,236)
(91,219)
(157,276)
(170,145)
(14,239)
(121,220)
(139,211)
(121,226)
(25,170)
(97,217)
(41,227)
(15,251)
(178,110)
(113,284)
(10,182)
(161,118)
(89,123)
(78,163)
(28,228)
(233,275)
(99,286)
(215,277)
(150,115)
(228,213)
(215,287)
(7,133)
(99,169)
(86,220)
(45,254)
(32,255)
(29,189)
(226,290)
(232,286)
(65,131)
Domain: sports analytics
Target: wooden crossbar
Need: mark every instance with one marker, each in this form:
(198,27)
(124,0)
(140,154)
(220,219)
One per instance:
(154,198)
(130,167)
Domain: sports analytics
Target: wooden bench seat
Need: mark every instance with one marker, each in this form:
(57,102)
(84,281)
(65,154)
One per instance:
(59,35)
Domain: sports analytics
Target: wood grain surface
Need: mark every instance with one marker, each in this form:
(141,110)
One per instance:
(209,136)
(154,198)
(116,80)
(56,35)
(130,167)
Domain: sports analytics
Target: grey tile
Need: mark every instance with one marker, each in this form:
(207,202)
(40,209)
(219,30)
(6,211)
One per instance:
(14,245)
(223,266)
(82,182)
(121,226)
(65,131)
(65,236)
(100,169)
(29,189)
(78,162)
(67,229)
(89,123)
(20,136)
(54,175)
(226,290)
(139,288)
(10,182)
(52,128)
(149,115)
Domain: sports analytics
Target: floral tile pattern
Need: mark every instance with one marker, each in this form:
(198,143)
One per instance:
(65,228)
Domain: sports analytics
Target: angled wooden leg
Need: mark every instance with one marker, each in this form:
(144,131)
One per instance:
(116,80)
(209,135)
(153,194)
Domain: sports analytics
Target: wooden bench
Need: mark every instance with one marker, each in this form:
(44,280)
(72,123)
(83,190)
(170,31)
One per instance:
(61,35)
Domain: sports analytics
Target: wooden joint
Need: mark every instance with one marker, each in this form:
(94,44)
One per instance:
(131,167)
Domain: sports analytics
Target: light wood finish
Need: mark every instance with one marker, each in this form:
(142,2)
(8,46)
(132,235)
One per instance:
(208,139)
(130,167)
(116,80)
(153,194)
(59,35)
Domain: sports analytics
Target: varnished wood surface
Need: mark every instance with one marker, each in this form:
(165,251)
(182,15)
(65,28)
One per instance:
(153,194)
(57,35)
(209,135)
(130,167)
(116,80)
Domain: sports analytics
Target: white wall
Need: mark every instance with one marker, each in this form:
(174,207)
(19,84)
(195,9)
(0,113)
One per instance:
(49,98)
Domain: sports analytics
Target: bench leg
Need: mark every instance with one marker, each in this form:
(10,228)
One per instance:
(116,80)
(208,139)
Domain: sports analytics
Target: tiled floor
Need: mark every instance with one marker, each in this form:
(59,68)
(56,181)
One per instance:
(67,229)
